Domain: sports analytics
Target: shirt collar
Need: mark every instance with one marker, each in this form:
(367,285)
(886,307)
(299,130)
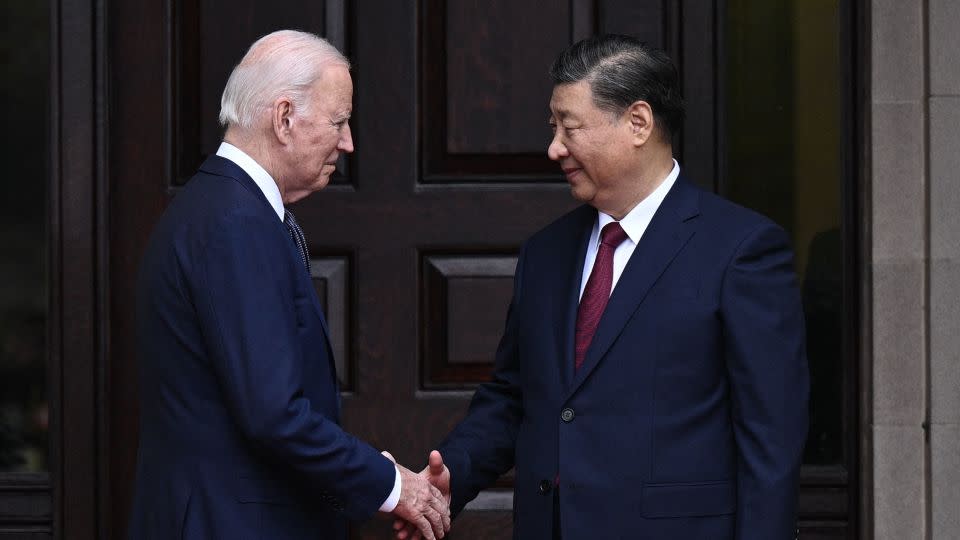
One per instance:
(256,172)
(636,221)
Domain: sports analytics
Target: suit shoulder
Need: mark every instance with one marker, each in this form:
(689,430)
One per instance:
(217,191)
(210,208)
(729,218)
(222,199)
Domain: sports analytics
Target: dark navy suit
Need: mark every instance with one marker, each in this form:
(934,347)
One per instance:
(686,420)
(239,402)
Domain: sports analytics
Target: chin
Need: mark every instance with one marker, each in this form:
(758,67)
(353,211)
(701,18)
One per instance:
(581,194)
(321,183)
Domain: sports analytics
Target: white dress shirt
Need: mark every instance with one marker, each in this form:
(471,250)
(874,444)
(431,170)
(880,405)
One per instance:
(260,176)
(634,224)
(270,190)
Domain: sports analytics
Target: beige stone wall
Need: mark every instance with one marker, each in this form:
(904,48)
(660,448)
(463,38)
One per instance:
(915,267)
(943,120)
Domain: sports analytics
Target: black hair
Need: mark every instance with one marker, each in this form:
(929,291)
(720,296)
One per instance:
(621,70)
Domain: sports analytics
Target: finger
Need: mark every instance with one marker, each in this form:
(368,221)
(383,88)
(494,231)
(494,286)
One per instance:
(435,502)
(438,502)
(447,520)
(405,530)
(436,463)
(436,521)
(444,524)
(426,528)
(402,529)
(444,510)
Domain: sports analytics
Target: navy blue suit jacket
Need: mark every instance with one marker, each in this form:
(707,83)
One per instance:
(239,434)
(688,416)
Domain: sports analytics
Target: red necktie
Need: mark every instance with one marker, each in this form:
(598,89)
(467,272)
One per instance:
(597,292)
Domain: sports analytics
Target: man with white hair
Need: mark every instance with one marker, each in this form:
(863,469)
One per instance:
(239,431)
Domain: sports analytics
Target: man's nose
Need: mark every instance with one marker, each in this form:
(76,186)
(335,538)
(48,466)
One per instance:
(556,151)
(346,140)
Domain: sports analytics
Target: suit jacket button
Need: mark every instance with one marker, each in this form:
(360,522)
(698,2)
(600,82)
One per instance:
(545,486)
(567,415)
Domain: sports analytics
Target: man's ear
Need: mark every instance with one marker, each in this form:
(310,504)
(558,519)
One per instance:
(282,116)
(642,123)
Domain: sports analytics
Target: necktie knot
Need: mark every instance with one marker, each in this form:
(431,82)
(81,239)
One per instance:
(613,234)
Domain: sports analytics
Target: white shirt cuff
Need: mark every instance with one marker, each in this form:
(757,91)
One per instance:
(394,497)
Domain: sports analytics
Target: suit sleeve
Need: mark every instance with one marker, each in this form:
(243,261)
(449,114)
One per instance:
(481,447)
(769,382)
(245,303)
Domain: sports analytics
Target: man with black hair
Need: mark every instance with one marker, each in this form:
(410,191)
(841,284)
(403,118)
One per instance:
(651,382)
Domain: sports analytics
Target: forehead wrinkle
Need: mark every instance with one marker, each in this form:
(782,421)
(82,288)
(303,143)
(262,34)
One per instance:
(558,111)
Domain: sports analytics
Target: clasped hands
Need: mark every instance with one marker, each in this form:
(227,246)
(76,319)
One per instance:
(423,510)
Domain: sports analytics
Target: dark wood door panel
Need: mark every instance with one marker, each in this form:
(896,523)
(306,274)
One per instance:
(489,48)
(25,505)
(17,533)
(461,315)
(485,90)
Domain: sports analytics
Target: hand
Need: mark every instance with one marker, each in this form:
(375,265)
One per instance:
(421,505)
(437,474)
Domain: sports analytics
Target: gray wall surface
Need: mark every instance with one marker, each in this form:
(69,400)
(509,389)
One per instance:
(915,268)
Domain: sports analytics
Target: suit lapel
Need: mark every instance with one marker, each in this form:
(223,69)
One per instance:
(669,230)
(567,287)
(221,166)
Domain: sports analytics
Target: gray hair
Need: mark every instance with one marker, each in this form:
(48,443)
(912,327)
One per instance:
(621,70)
(282,63)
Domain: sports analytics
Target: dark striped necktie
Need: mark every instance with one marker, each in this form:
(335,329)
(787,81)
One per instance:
(296,233)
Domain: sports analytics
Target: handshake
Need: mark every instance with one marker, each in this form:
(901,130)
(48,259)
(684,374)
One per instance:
(423,510)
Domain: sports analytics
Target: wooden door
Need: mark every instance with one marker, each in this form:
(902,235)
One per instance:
(415,242)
